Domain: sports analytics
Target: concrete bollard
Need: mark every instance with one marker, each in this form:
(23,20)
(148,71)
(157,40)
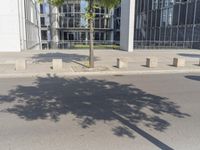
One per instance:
(178,62)
(122,63)
(20,65)
(152,62)
(57,64)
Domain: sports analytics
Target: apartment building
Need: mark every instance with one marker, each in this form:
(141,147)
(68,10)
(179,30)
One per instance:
(20,26)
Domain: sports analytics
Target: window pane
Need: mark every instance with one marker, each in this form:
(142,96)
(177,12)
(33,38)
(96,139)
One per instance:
(175,14)
(181,34)
(197,19)
(182,14)
(190,15)
(174,33)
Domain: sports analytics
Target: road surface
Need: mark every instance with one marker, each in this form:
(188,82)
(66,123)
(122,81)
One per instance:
(144,112)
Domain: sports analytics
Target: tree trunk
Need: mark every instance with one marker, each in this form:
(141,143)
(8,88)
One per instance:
(91,57)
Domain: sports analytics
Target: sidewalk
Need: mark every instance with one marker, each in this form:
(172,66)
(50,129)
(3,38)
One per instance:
(40,62)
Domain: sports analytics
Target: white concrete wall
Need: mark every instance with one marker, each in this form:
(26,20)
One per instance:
(32,24)
(9,26)
(127,25)
(19,27)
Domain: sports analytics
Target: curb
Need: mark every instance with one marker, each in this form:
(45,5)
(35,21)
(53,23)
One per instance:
(66,74)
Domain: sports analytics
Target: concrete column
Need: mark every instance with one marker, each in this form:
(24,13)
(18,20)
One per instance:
(112,25)
(127,25)
(54,25)
(22,24)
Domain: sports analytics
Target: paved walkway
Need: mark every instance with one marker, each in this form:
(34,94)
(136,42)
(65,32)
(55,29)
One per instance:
(39,62)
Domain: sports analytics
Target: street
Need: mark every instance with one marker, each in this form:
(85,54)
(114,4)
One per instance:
(131,112)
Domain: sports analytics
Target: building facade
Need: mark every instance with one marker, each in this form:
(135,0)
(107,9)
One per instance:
(134,24)
(167,24)
(67,26)
(19,27)
(117,22)
(143,24)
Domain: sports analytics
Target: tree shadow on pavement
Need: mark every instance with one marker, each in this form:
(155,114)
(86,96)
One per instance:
(190,55)
(93,100)
(196,78)
(67,58)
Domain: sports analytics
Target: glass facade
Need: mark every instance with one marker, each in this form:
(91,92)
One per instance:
(117,19)
(45,24)
(70,25)
(167,24)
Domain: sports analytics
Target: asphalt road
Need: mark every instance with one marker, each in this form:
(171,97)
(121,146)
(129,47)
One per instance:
(143,112)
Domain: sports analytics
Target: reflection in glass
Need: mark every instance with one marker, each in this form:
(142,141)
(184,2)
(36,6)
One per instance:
(170,24)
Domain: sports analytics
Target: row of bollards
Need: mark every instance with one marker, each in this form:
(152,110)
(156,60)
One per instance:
(152,62)
(57,64)
(20,64)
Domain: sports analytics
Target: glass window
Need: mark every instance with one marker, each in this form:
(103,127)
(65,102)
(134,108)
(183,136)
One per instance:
(150,4)
(197,33)
(169,18)
(144,34)
(146,5)
(70,8)
(164,18)
(167,23)
(188,36)
(64,8)
(65,21)
(77,22)
(42,21)
(158,18)
(96,23)
(71,23)
(71,36)
(140,34)
(181,34)
(41,9)
(174,34)
(44,46)
(102,36)
(148,34)
(168,34)
(149,19)
(96,36)
(83,36)
(182,14)
(142,5)
(155,4)
(77,8)
(197,19)
(103,10)
(190,14)
(152,34)
(157,34)
(44,35)
(165,3)
(153,18)
(162,34)
(175,14)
